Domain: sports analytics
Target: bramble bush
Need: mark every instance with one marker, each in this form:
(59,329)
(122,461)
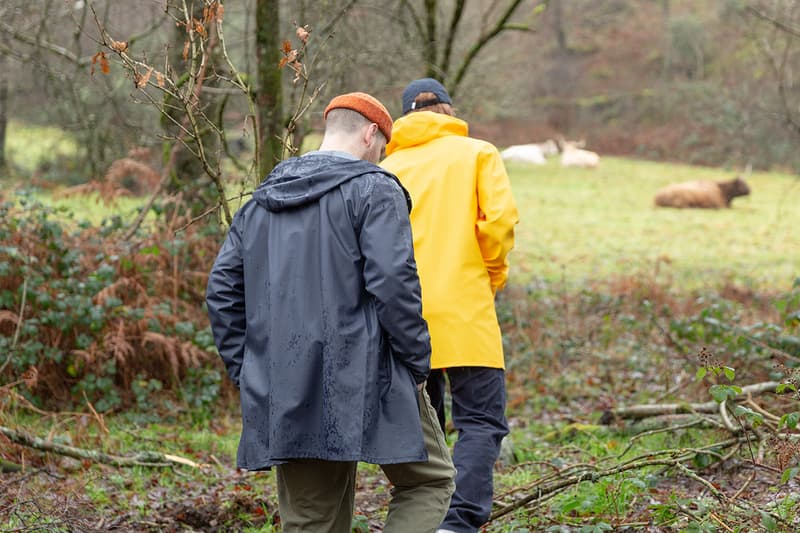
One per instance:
(629,330)
(85,315)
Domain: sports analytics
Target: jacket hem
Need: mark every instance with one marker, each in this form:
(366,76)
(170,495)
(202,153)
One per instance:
(266,465)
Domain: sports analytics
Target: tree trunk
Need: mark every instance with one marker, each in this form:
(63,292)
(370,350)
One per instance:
(558,25)
(3,113)
(455,20)
(667,44)
(269,96)
(429,52)
(500,25)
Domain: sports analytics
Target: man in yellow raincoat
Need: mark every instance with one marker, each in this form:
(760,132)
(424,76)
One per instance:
(463,226)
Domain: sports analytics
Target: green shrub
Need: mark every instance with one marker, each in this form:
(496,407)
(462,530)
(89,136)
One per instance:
(84,313)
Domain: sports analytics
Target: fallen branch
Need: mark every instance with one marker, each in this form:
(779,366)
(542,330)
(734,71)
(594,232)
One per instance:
(553,484)
(549,485)
(647,410)
(150,459)
(659,423)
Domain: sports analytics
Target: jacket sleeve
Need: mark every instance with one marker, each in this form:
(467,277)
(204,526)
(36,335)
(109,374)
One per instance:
(497,216)
(390,274)
(226,303)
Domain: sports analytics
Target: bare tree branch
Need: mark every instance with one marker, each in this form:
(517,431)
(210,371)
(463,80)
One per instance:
(500,26)
(775,22)
(405,4)
(328,28)
(44,45)
(458,13)
(188,98)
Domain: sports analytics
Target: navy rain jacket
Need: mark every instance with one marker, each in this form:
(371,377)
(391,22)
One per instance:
(315,306)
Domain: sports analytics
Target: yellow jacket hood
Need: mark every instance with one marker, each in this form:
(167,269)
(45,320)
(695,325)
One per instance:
(422,127)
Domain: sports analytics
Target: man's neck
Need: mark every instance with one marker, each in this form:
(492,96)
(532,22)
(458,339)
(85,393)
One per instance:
(336,145)
(340,153)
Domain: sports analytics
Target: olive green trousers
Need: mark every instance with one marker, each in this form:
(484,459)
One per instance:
(316,496)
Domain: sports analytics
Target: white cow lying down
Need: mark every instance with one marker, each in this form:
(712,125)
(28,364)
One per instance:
(549,147)
(524,153)
(572,155)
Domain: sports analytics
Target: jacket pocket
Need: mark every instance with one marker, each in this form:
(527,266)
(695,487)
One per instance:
(385,360)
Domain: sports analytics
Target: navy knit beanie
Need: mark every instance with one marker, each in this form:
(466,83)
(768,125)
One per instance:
(424,85)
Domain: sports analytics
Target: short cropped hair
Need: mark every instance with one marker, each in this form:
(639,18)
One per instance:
(347,121)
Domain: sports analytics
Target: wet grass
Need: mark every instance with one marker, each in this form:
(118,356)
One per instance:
(29,147)
(580,224)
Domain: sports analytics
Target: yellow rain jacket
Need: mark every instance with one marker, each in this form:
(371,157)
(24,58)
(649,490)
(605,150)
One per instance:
(463,219)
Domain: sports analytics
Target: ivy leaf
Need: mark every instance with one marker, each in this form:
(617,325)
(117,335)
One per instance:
(789,473)
(729,372)
(720,393)
(768,521)
(789,420)
(702,460)
(755,418)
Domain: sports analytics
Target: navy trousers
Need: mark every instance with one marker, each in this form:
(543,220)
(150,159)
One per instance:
(478,411)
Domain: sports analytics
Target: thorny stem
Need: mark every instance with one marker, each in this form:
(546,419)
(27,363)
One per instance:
(302,103)
(633,439)
(211,210)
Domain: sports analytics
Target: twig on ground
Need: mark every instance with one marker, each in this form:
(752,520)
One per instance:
(647,410)
(149,459)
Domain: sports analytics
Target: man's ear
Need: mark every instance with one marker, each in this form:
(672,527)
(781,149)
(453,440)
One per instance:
(370,133)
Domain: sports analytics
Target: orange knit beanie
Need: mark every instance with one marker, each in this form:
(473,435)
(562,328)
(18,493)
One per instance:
(366,105)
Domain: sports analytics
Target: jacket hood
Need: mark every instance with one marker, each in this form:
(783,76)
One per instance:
(422,127)
(303,180)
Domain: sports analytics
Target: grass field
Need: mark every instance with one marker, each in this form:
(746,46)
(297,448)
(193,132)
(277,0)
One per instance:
(28,146)
(598,223)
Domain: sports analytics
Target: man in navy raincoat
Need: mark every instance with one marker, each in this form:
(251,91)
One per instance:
(315,306)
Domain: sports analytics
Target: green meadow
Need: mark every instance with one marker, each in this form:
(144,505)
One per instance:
(29,147)
(583,224)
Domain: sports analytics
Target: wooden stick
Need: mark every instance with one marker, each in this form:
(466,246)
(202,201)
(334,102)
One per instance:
(151,459)
(647,410)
